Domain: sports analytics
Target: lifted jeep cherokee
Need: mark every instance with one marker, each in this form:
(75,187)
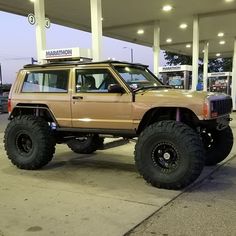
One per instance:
(79,104)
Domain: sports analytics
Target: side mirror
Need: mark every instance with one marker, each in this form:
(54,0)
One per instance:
(115,88)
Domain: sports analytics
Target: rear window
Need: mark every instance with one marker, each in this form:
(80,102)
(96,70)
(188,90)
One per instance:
(46,82)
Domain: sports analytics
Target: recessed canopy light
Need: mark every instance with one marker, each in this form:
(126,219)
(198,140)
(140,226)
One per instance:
(167,8)
(203,50)
(188,45)
(102,19)
(169,40)
(140,31)
(229,0)
(183,26)
(218,54)
(221,34)
(222,42)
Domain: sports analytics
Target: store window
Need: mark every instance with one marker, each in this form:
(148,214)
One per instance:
(46,82)
(94,80)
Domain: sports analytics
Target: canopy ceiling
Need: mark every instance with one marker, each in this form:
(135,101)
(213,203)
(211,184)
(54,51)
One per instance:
(122,19)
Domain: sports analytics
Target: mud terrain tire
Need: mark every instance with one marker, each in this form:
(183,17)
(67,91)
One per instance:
(86,145)
(218,145)
(169,155)
(29,142)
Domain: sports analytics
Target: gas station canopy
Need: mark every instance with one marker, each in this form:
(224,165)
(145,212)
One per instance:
(133,21)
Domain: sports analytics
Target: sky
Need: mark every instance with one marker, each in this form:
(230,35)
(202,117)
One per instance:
(18,45)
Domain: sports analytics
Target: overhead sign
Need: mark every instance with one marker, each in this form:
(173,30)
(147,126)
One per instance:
(31,19)
(67,53)
(219,74)
(175,68)
(47,23)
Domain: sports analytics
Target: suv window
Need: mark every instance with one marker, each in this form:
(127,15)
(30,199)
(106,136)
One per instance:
(137,77)
(46,81)
(94,80)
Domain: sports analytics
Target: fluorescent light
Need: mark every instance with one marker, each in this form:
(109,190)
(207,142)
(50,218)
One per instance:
(188,46)
(221,34)
(167,8)
(140,31)
(31,0)
(183,26)
(218,54)
(229,0)
(222,42)
(169,40)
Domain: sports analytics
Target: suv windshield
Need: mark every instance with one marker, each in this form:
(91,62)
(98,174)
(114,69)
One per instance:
(137,77)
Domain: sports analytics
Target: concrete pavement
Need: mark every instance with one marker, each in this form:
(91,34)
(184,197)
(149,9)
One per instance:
(207,208)
(99,194)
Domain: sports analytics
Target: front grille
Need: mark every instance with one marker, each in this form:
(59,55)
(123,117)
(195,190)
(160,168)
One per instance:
(221,107)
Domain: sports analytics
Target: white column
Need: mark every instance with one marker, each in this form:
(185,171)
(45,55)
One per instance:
(233,85)
(205,66)
(96,26)
(39,11)
(195,52)
(156,48)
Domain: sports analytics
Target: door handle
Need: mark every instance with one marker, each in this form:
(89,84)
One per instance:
(77,97)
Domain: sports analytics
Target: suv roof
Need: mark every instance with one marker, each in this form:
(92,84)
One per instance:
(70,63)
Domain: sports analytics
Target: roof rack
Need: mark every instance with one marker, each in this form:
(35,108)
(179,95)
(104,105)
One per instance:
(69,63)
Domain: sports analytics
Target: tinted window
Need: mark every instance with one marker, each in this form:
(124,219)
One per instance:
(46,81)
(94,80)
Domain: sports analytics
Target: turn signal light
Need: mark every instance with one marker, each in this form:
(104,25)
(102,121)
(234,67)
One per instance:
(205,110)
(9,105)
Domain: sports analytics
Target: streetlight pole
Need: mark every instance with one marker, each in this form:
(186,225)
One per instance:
(1,89)
(131,53)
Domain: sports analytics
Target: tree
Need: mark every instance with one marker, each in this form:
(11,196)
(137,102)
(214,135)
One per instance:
(214,65)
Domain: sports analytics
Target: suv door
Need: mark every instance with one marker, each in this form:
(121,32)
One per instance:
(94,107)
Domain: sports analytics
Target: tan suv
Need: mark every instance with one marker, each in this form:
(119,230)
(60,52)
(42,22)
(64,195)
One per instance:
(79,104)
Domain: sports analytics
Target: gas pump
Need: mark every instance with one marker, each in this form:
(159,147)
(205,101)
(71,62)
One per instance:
(180,77)
(219,82)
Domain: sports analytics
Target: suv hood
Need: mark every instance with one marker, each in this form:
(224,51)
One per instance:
(193,100)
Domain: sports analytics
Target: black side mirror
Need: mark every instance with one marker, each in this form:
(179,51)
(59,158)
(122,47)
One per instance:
(115,88)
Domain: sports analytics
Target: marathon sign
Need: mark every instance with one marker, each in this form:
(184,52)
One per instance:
(65,53)
(58,53)
(175,68)
(219,74)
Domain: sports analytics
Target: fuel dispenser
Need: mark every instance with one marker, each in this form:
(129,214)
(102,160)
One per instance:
(180,77)
(219,82)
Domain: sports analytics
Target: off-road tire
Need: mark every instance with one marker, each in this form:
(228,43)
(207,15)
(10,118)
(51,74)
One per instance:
(90,145)
(29,143)
(186,155)
(219,146)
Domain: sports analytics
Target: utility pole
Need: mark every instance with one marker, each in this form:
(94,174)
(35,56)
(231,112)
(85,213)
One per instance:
(1,89)
(131,54)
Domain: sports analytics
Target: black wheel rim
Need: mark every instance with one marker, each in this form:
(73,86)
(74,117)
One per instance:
(207,139)
(165,157)
(24,143)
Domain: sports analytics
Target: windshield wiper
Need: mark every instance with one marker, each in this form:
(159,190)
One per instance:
(153,87)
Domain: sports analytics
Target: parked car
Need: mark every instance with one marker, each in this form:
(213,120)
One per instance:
(3,104)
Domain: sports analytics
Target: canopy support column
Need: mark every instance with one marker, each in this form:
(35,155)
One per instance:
(39,11)
(156,48)
(195,52)
(96,26)
(205,67)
